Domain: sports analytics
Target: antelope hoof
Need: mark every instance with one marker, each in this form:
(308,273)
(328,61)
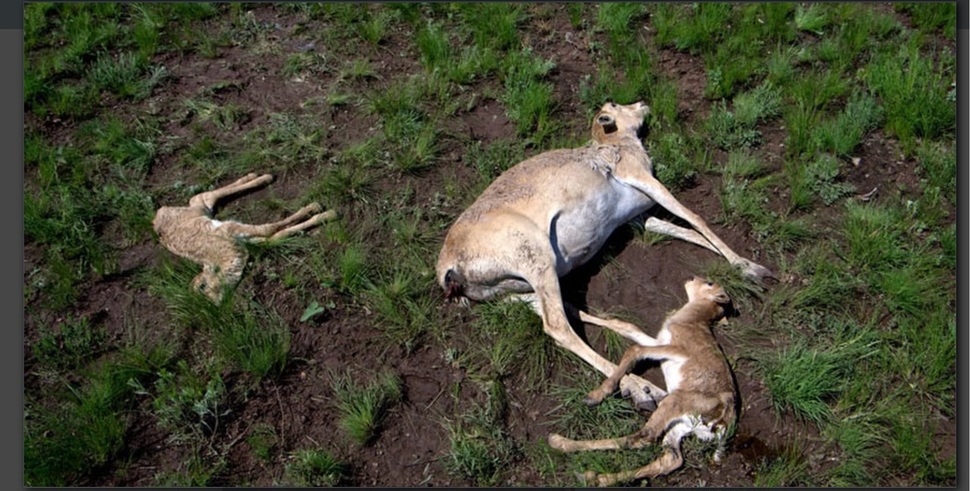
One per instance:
(646,403)
(641,396)
(756,271)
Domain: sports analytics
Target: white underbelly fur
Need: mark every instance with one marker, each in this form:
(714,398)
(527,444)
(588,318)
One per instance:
(581,231)
(672,373)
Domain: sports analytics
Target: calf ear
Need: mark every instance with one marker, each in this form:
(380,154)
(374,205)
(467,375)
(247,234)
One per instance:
(722,298)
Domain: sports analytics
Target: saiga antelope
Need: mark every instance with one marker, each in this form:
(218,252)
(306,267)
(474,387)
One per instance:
(551,213)
(191,232)
(702,395)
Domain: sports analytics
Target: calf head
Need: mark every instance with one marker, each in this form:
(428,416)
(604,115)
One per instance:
(701,289)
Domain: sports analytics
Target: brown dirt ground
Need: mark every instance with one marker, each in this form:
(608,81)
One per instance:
(644,279)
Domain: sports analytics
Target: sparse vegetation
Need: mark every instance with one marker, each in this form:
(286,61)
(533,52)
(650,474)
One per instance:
(787,124)
(315,468)
(363,408)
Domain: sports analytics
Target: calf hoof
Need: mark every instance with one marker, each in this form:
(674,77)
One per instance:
(642,398)
(590,478)
(646,404)
(593,398)
(586,478)
(559,442)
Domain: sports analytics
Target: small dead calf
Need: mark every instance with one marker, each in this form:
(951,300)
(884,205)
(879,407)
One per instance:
(701,392)
(192,233)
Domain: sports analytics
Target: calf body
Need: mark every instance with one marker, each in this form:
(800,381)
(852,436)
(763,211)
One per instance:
(191,232)
(701,393)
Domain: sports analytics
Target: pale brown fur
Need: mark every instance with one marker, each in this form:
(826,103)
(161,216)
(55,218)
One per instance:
(701,398)
(552,213)
(192,233)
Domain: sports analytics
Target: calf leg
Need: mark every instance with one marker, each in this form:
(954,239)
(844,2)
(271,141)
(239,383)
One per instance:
(210,198)
(312,222)
(258,233)
(556,325)
(669,461)
(564,444)
(630,357)
(669,416)
(634,386)
(623,328)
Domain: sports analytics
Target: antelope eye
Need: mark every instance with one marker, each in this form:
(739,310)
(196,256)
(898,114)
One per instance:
(710,283)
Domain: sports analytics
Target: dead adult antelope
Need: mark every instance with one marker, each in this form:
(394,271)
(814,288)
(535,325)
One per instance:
(551,213)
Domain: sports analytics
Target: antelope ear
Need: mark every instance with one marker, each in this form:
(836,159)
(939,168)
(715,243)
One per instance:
(607,122)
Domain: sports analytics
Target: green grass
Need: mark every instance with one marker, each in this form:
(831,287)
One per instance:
(197,471)
(86,428)
(692,28)
(263,440)
(70,344)
(363,408)
(842,134)
(804,381)
(512,341)
(787,469)
(316,468)
(672,162)
(856,341)
(917,98)
(188,404)
(860,436)
(82,191)
(480,447)
(937,164)
(258,344)
(491,160)
(736,129)
(494,25)
(86,433)
(812,18)
(403,305)
(932,16)
(248,337)
(528,100)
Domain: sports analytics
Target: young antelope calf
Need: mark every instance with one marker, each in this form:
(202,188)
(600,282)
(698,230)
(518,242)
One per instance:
(192,233)
(701,392)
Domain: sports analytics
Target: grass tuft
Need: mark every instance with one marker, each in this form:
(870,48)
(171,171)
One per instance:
(363,409)
(916,96)
(316,468)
